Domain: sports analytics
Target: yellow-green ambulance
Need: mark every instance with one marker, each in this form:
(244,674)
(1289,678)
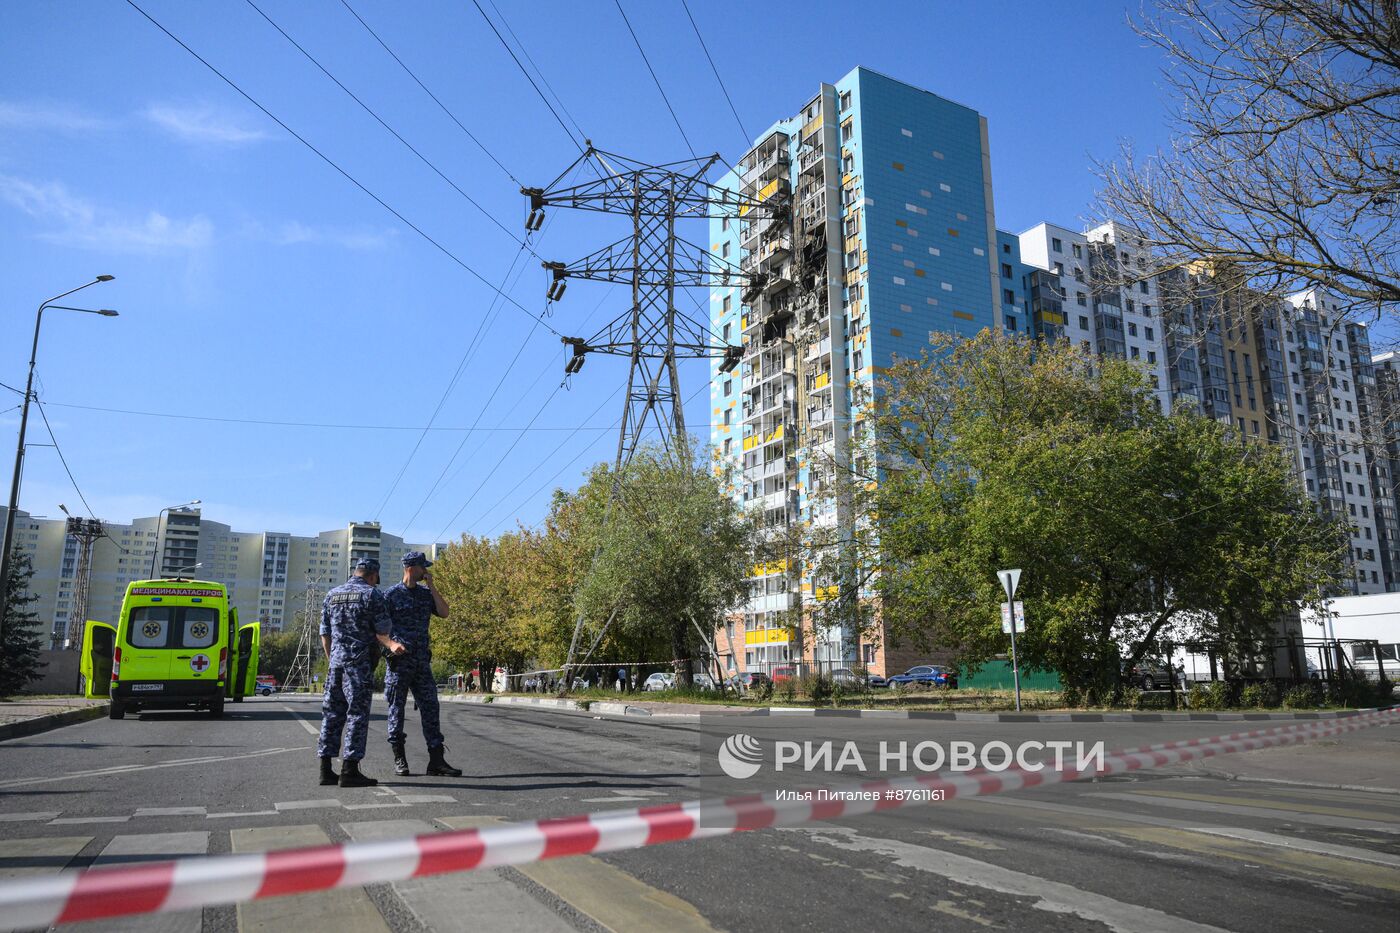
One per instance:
(177,645)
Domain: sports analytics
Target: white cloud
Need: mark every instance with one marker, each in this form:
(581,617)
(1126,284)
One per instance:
(77,222)
(294,233)
(202,124)
(48,117)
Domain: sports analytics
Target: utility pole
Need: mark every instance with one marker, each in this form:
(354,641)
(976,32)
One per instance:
(85,531)
(653,333)
(300,674)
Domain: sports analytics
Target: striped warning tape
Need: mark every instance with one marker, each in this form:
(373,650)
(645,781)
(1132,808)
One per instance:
(199,882)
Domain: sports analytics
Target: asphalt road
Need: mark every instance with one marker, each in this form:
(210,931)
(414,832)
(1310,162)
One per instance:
(1162,851)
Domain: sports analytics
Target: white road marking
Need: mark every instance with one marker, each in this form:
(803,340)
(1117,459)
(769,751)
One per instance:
(427,798)
(305,723)
(75,820)
(1232,832)
(374,806)
(617,799)
(104,772)
(308,804)
(225,816)
(1280,812)
(1052,896)
(171,811)
(29,817)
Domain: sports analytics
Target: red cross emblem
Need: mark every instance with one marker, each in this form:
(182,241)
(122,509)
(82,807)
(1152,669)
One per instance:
(199,663)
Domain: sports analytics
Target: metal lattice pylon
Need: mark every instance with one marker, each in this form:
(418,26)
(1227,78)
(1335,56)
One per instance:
(300,674)
(653,333)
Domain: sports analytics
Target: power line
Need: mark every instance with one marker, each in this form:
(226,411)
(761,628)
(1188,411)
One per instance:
(333,164)
(450,114)
(568,132)
(11,388)
(647,62)
(524,244)
(538,70)
(296,424)
(747,138)
(62,459)
(487,404)
(472,347)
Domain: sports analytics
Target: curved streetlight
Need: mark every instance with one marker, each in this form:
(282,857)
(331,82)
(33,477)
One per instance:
(159,517)
(8,541)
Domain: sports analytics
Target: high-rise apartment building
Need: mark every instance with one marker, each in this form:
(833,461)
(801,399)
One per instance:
(267,572)
(891,236)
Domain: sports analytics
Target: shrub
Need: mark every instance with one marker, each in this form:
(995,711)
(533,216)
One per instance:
(1303,696)
(787,690)
(816,687)
(1131,698)
(1071,697)
(1259,696)
(764,691)
(1220,694)
(1198,697)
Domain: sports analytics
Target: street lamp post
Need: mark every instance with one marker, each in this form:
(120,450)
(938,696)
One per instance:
(8,542)
(163,512)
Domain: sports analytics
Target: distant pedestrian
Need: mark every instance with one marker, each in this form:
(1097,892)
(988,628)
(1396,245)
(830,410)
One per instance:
(354,622)
(621,679)
(412,604)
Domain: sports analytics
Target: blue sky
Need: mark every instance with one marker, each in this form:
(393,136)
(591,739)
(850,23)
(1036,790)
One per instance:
(256,283)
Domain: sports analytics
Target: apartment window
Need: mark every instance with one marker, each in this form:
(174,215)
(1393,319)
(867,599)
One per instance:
(1006,248)
(858,360)
(1133,352)
(848,130)
(845,100)
(1132,329)
(1078,250)
(1010,323)
(727,446)
(1142,286)
(724,250)
(1056,245)
(1059,268)
(728,303)
(728,387)
(728,415)
(726,332)
(1083,322)
(1151,356)
(1147,331)
(1081,299)
(1146,310)
(1006,272)
(1008,296)
(1131,307)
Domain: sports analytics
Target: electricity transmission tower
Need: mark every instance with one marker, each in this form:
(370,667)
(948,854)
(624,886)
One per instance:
(85,531)
(300,674)
(656,261)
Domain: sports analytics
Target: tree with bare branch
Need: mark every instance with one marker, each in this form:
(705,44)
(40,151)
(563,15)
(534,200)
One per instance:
(1284,164)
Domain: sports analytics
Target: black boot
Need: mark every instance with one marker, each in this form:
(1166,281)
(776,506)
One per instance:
(328,776)
(350,776)
(438,766)
(400,759)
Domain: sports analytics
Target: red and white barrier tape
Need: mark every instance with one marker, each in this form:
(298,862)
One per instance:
(199,882)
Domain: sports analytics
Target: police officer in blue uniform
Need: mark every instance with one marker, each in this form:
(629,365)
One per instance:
(354,623)
(412,604)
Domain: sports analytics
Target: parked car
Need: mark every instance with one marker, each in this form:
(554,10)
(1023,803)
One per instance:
(749,680)
(846,677)
(928,675)
(1149,675)
(659,681)
(705,682)
(782,673)
(266,685)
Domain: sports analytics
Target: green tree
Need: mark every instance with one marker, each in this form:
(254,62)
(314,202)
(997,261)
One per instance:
(673,556)
(278,651)
(20,640)
(1132,527)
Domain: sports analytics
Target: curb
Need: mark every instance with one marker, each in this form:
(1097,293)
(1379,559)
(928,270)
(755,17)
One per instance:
(613,708)
(24,727)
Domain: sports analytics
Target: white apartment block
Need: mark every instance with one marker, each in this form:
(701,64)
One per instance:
(267,573)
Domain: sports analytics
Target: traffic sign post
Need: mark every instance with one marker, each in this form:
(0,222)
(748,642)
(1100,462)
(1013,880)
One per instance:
(1010,579)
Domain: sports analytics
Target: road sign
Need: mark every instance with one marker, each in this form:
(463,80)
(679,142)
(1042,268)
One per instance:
(1020,617)
(1010,579)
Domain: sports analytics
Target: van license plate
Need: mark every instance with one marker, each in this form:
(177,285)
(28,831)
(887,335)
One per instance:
(148,686)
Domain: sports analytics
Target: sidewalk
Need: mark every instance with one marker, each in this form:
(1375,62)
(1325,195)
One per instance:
(30,716)
(1370,763)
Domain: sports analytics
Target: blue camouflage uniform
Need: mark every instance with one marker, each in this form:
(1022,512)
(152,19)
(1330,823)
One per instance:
(352,615)
(411,608)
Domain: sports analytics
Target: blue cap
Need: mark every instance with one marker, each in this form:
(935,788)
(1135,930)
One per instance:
(367,564)
(416,559)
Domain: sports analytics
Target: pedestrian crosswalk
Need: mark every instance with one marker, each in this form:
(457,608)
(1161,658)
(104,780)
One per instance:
(1300,838)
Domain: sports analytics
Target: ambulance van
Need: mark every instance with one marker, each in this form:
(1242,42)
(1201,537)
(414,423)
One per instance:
(177,645)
